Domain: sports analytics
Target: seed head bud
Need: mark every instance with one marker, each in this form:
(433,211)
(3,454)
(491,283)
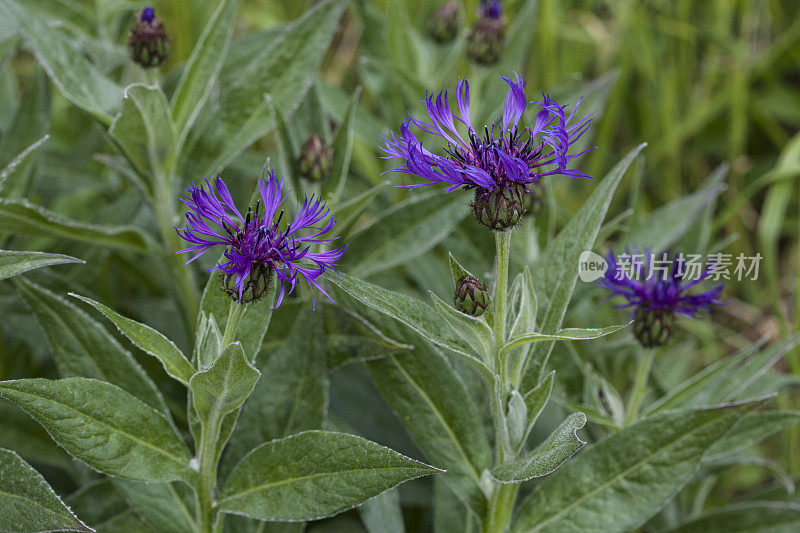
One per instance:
(487,37)
(443,24)
(257,285)
(148,44)
(653,327)
(501,208)
(471,296)
(316,159)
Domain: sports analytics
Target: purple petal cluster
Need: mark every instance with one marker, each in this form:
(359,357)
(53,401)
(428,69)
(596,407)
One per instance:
(491,9)
(505,155)
(648,283)
(257,239)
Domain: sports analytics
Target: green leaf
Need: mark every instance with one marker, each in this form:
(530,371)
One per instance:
(14,262)
(752,429)
(668,223)
(20,216)
(78,80)
(746,517)
(536,399)
(224,386)
(313,475)
(104,426)
(601,489)
(149,341)
(557,268)
(82,347)
(282,68)
(201,70)
(27,503)
(456,270)
(562,444)
(523,305)
(566,334)
(216,303)
(342,147)
(405,231)
(722,380)
(19,162)
(417,315)
(159,504)
(440,415)
(475,331)
(144,128)
(383,514)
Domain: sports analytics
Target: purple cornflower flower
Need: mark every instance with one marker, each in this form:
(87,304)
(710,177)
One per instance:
(657,289)
(503,161)
(255,245)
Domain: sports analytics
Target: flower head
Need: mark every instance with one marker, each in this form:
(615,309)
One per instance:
(255,245)
(486,39)
(503,156)
(656,289)
(148,43)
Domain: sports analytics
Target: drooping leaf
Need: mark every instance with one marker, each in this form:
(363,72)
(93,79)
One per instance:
(79,81)
(82,347)
(148,340)
(546,457)
(27,503)
(601,489)
(222,388)
(313,475)
(104,426)
(20,216)
(13,262)
(566,334)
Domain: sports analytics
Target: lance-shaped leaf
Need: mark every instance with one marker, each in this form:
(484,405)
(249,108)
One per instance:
(14,262)
(566,334)
(103,426)
(224,386)
(160,504)
(383,514)
(27,503)
(546,457)
(201,70)
(20,216)
(601,489)
(475,331)
(148,340)
(745,517)
(78,80)
(557,268)
(405,231)
(342,147)
(438,412)
(82,347)
(20,162)
(313,475)
(144,128)
(417,315)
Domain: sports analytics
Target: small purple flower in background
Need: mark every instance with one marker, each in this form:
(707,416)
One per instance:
(656,290)
(502,162)
(491,9)
(148,42)
(255,245)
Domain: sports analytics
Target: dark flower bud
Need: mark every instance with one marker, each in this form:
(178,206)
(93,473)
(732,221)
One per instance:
(501,208)
(316,159)
(258,283)
(443,24)
(653,327)
(487,37)
(148,44)
(472,296)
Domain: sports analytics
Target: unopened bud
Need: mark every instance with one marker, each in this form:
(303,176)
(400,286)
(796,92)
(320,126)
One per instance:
(258,284)
(443,24)
(471,296)
(501,208)
(148,44)
(487,37)
(316,159)
(653,327)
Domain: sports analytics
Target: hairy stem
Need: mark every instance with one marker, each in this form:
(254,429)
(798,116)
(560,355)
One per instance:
(207,478)
(643,367)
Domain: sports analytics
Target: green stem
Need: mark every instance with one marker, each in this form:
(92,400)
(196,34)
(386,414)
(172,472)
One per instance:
(643,367)
(503,245)
(207,478)
(235,314)
(501,506)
